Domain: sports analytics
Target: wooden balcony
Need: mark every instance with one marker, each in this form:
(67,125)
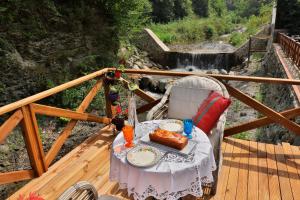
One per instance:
(250,170)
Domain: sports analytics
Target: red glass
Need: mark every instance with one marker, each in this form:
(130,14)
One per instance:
(128,135)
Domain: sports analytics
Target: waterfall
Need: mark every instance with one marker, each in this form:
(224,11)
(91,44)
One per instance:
(192,61)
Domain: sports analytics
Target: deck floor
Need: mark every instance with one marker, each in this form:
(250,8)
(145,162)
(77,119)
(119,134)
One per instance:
(250,170)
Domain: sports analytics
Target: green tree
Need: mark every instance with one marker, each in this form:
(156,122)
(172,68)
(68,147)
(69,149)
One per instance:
(200,7)
(182,8)
(128,15)
(163,10)
(217,7)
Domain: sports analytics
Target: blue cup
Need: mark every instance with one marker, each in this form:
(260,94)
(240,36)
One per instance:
(188,127)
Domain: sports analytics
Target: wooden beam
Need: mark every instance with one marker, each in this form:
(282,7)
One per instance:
(275,116)
(108,110)
(139,92)
(33,142)
(59,112)
(10,124)
(47,93)
(217,76)
(68,129)
(148,106)
(10,177)
(259,122)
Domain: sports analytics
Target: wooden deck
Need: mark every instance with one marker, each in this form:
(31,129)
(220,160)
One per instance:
(250,170)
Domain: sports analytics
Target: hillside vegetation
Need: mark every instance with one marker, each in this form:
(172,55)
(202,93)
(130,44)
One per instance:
(209,19)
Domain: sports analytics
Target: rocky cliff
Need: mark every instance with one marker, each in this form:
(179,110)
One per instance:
(44,43)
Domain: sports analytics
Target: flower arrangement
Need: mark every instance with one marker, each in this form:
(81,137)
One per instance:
(112,79)
(32,196)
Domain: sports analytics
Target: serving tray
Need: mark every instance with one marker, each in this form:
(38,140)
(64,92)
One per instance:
(184,152)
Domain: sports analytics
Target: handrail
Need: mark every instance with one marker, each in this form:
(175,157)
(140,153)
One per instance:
(291,48)
(217,76)
(52,91)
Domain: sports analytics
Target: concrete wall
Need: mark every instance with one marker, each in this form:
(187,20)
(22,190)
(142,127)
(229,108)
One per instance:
(160,53)
(149,42)
(279,97)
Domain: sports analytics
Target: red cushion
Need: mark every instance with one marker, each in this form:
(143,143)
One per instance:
(210,111)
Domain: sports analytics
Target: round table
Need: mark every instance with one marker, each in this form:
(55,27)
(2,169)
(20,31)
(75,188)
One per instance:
(175,177)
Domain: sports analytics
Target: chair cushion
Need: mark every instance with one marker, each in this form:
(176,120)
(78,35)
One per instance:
(187,94)
(210,111)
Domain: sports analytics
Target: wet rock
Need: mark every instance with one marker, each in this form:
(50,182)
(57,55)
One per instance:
(4,149)
(223,71)
(243,114)
(162,85)
(153,85)
(145,81)
(135,67)
(297,141)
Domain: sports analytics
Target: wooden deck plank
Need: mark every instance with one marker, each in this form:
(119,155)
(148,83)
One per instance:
(296,154)
(274,187)
(253,172)
(225,169)
(242,190)
(233,172)
(263,182)
(65,164)
(283,175)
(292,170)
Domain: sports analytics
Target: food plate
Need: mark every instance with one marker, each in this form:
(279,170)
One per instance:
(143,156)
(172,125)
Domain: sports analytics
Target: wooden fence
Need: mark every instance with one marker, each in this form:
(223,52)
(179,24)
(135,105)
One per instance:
(25,111)
(291,47)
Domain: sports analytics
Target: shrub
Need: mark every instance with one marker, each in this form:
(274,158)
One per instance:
(209,32)
(236,39)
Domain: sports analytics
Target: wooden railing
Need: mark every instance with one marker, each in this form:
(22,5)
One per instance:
(291,47)
(25,111)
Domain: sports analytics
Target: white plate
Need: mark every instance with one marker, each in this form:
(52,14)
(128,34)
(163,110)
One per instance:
(172,125)
(143,156)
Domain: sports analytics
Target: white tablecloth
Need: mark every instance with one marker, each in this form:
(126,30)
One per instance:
(175,177)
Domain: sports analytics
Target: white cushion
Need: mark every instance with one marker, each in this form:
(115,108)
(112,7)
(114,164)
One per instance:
(187,94)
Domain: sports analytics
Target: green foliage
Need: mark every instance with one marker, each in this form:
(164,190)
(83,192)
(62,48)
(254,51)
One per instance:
(209,32)
(169,10)
(72,98)
(243,136)
(288,15)
(236,39)
(182,8)
(192,29)
(200,7)
(217,7)
(128,15)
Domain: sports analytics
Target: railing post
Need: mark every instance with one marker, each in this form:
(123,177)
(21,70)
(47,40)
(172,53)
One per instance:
(107,101)
(249,51)
(33,141)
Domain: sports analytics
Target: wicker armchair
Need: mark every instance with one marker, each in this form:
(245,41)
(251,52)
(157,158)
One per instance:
(182,99)
(84,191)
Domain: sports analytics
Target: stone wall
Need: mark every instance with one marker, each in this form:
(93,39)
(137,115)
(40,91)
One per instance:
(258,41)
(279,97)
